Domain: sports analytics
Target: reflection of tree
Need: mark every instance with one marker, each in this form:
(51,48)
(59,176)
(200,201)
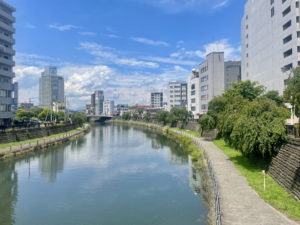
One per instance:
(8,192)
(197,183)
(51,163)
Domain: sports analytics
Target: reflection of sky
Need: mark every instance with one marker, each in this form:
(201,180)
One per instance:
(110,176)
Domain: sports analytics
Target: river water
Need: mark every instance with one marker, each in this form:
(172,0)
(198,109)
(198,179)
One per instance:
(116,174)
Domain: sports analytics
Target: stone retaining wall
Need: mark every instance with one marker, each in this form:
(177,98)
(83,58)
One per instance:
(285,167)
(23,135)
(193,126)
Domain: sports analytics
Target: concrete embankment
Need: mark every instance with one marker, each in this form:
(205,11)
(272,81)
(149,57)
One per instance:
(35,144)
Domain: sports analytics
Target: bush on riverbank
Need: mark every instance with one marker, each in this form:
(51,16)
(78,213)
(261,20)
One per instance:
(249,121)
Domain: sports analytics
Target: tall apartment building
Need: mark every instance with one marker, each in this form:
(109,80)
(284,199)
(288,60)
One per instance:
(7,87)
(99,100)
(209,81)
(51,87)
(177,95)
(109,107)
(232,73)
(25,105)
(157,99)
(270,41)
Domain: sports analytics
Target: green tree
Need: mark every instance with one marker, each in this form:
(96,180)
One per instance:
(36,111)
(181,114)
(78,118)
(135,116)
(61,116)
(23,114)
(162,116)
(141,110)
(126,116)
(46,113)
(207,123)
(147,116)
(292,91)
(274,95)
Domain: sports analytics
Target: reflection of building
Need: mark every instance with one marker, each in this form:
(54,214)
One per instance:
(51,163)
(8,192)
(197,183)
(174,159)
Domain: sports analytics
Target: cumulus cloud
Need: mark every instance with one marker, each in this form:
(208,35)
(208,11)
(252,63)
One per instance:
(64,27)
(106,55)
(149,42)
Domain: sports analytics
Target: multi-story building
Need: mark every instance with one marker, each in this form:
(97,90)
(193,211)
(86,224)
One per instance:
(157,99)
(93,100)
(7,88)
(137,106)
(26,106)
(122,107)
(51,87)
(99,100)
(177,94)
(213,77)
(109,107)
(270,41)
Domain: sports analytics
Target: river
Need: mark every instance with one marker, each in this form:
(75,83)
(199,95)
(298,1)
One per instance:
(116,174)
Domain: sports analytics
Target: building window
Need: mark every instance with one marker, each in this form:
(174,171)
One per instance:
(193,100)
(297,4)
(177,101)
(246,45)
(247,36)
(176,86)
(247,64)
(288,53)
(298,63)
(287,39)
(3,108)
(287,25)
(285,82)
(272,2)
(272,12)
(283,1)
(203,79)
(297,19)
(247,55)
(171,96)
(247,17)
(298,48)
(171,91)
(171,87)
(203,107)
(204,69)
(3,93)
(193,108)
(193,92)
(193,86)
(9,94)
(204,97)
(287,67)
(171,101)
(204,88)
(247,27)
(171,105)
(298,34)
(285,12)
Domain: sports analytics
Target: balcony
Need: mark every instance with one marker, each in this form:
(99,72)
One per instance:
(6,27)
(7,73)
(6,101)
(6,115)
(7,62)
(7,39)
(9,51)
(7,16)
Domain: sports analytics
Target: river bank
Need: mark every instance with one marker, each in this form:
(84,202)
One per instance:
(42,142)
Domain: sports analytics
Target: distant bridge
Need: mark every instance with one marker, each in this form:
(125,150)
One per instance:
(99,118)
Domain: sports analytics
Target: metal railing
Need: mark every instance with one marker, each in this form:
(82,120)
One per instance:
(212,175)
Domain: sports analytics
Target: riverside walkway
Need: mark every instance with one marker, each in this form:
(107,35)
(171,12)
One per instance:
(41,143)
(239,203)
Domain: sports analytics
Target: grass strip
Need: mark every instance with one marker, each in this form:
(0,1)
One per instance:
(7,145)
(194,133)
(275,195)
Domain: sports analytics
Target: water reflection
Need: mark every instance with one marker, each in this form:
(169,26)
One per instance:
(113,175)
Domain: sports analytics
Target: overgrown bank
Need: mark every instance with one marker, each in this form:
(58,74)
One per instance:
(194,151)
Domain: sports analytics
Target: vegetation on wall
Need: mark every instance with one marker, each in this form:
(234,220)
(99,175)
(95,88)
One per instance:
(251,122)
(78,118)
(126,116)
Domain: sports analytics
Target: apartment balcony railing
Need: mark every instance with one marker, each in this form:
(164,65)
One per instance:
(7,16)
(7,39)
(7,73)
(7,62)
(7,27)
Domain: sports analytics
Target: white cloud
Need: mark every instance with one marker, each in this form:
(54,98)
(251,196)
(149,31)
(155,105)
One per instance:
(28,25)
(149,42)
(88,33)
(110,29)
(63,28)
(105,56)
(222,4)
(170,60)
(110,35)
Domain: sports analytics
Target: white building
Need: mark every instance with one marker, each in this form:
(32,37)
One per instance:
(109,107)
(51,87)
(177,95)
(157,99)
(270,41)
(7,87)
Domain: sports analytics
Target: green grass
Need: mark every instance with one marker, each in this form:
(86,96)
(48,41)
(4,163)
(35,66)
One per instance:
(7,145)
(194,133)
(275,195)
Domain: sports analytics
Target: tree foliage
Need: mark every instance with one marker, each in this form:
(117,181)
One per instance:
(147,116)
(36,111)
(181,114)
(249,121)
(46,113)
(61,116)
(274,95)
(292,90)
(141,110)
(126,116)
(135,116)
(78,118)
(23,114)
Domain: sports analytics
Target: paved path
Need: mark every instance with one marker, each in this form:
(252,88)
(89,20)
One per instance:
(239,203)
(45,141)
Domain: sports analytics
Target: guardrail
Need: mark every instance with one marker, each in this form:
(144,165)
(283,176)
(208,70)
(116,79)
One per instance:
(212,175)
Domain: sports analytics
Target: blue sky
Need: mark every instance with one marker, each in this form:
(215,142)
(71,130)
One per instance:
(128,48)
